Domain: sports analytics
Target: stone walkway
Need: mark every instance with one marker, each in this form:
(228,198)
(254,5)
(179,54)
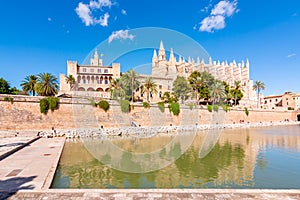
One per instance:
(208,194)
(32,167)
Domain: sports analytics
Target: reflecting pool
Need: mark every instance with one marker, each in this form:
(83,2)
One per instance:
(240,158)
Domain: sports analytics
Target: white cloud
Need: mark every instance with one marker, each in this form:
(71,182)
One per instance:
(100,4)
(49,19)
(212,23)
(216,19)
(291,55)
(225,8)
(121,35)
(103,20)
(123,12)
(84,11)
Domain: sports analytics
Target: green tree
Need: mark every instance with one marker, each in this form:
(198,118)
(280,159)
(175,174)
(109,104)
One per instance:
(130,80)
(169,98)
(181,88)
(200,83)
(258,86)
(46,84)
(236,92)
(217,91)
(149,87)
(71,81)
(29,84)
(4,86)
(116,89)
(14,91)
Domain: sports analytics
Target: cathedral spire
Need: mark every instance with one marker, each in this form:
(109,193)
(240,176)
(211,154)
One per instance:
(154,55)
(247,63)
(210,61)
(96,56)
(172,58)
(161,46)
(161,52)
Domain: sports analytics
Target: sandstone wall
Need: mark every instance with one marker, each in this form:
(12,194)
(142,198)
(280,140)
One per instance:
(24,114)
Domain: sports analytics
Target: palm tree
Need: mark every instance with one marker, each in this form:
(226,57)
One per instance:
(149,87)
(116,90)
(258,86)
(236,92)
(46,84)
(217,91)
(130,79)
(28,85)
(71,81)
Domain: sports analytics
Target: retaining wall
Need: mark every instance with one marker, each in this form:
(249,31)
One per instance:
(24,114)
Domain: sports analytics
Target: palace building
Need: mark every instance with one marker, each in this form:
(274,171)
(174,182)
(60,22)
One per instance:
(94,79)
(91,80)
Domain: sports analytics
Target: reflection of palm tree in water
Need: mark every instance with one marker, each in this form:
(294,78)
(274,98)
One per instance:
(212,135)
(262,162)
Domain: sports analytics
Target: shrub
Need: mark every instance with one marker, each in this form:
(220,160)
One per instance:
(44,105)
(191,106)
(216,108)
(93,103)
(146,105)
(175,108)
(53,103)
(125,106)
(104,105)
(10,99)
(209,108)
(246,111)
(290,108)
(225,107)
(131,107)
(161,106)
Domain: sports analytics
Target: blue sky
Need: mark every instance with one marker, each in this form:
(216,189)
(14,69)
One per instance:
(40,37)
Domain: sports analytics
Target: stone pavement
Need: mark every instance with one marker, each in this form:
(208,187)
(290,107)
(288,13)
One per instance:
(32,167)
(153,194)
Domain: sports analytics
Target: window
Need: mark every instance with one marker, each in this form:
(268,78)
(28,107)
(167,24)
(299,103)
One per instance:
(106,82)
(142,94)
(266,102)
(84,69)
(84,81)
(276,100)
(105,70)
(270,100)
(92,70)
(98,81)
(99,70)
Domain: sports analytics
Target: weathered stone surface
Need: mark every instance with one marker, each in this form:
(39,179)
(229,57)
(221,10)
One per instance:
(24,114)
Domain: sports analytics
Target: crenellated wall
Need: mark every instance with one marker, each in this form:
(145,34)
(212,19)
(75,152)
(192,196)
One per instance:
(24,114)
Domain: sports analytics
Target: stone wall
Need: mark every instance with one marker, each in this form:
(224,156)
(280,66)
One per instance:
(24,114)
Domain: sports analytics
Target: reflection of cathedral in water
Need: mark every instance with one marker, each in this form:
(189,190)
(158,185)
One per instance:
(230,163)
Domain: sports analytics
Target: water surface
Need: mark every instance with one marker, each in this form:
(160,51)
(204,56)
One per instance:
(243,158)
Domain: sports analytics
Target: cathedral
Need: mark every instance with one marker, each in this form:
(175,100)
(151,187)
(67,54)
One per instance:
(165,71)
